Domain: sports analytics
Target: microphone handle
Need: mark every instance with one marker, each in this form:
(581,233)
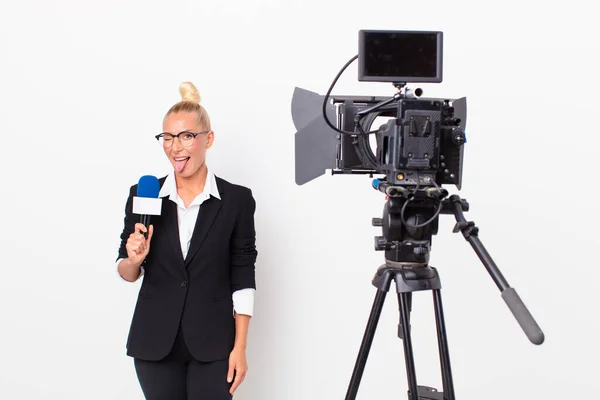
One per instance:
(145,220)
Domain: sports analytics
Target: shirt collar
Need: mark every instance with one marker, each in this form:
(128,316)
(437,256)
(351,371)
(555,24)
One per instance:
(169,188)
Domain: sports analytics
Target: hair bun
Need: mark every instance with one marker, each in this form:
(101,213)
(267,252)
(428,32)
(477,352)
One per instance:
(189,92)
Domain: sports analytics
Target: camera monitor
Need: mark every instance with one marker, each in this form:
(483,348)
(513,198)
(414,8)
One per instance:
(400,56)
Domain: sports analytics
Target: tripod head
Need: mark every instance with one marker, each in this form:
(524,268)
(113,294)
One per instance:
(410,220)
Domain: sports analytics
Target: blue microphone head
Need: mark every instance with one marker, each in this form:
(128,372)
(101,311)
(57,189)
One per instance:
(148,186)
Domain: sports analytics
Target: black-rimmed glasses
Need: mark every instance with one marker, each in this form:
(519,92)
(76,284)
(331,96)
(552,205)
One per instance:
(186,138)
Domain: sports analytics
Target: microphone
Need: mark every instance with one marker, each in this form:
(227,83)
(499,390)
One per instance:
(147,203)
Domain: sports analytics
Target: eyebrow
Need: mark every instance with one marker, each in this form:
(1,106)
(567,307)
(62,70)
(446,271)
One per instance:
(185,130)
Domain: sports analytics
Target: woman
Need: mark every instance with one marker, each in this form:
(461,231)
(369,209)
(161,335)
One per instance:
(189,329)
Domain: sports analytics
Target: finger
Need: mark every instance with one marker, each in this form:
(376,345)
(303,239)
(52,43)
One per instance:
(132,247)
(239,377)
(136,237)
(133,255)
(134,244)
(139,228)
(230,372)
(150,232)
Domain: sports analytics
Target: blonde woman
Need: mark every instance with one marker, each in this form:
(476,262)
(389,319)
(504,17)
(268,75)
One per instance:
(189,328)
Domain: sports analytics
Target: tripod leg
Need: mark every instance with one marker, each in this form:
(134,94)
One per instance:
(409,301)
(365,346)
(404,300)
(443,347)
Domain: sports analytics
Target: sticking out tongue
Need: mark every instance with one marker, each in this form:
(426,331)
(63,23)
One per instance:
(180,165)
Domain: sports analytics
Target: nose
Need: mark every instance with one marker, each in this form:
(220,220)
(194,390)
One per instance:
(176,146)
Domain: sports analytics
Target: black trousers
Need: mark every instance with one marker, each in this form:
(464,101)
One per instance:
(180,377)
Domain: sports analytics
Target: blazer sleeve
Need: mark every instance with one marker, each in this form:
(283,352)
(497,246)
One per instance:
(128,224)
(243,246)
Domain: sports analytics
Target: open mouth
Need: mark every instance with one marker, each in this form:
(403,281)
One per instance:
(180,163)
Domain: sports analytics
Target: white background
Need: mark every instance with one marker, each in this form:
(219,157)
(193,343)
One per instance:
(84,87)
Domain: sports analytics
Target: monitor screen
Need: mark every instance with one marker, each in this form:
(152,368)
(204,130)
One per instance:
(400,56)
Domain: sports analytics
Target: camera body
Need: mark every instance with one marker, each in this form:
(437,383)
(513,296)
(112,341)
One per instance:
(421,141)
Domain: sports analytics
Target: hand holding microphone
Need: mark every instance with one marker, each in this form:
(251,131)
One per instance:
(138,246)
(146,203)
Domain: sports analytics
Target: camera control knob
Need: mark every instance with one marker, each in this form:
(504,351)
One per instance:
(380,243)
(459,138)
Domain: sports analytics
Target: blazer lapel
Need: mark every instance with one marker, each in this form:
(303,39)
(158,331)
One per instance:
(172,227)
(206,217)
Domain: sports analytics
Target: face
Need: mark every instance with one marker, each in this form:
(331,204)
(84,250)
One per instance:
(186,161)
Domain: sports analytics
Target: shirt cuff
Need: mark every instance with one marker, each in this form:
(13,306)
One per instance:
(117,269)
(243,301)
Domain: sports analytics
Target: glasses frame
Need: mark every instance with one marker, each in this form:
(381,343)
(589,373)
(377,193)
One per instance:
(194,134)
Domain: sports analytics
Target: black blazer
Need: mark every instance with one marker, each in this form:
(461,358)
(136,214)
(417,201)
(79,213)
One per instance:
(194,293)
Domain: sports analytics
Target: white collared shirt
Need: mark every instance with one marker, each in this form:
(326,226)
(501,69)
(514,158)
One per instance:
(243,300)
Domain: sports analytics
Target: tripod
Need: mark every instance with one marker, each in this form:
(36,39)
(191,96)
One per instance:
(408,225)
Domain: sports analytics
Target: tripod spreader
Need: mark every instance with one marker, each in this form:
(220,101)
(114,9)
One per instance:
(510,296)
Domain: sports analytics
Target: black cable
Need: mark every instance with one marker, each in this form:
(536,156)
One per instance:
(435,215)
(363,146)
(326,100)
(409,199)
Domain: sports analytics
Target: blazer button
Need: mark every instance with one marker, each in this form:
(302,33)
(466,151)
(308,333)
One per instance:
(183,283)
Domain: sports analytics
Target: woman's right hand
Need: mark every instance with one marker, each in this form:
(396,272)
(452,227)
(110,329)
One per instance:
(137,245)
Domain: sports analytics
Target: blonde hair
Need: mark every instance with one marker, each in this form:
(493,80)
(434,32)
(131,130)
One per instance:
(190,102)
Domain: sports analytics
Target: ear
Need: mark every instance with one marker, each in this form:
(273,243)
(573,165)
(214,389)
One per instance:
(210,138)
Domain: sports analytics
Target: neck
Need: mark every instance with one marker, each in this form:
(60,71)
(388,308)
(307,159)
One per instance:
(193,184)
